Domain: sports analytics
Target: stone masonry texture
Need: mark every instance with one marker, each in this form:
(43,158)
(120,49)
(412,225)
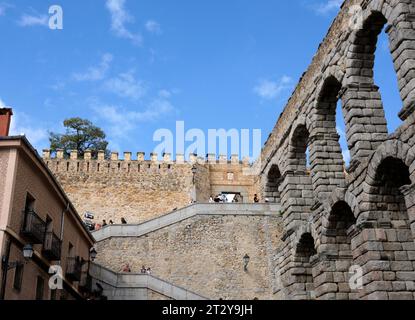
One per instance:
(336,221)
(204,254)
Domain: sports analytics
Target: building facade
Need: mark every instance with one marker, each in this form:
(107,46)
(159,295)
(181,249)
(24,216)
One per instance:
(35,211)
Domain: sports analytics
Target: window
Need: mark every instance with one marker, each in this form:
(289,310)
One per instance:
(70,250)
(18,277)
(40,285)
(30,203)
(49,224)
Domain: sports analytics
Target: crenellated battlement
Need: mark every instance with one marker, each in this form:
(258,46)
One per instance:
(141,157)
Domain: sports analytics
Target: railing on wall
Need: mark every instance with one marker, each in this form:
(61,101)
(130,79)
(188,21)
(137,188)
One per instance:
(52,246)
(33,227)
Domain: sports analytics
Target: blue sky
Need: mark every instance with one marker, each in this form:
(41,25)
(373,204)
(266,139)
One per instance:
(133,67)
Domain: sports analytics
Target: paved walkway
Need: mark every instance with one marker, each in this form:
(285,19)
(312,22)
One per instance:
(213,209)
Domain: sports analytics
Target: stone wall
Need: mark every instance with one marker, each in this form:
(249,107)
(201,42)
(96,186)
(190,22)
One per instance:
(338,219)
(139,190)
(204,254)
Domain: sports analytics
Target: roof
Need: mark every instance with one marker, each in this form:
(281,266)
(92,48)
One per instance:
(4,111)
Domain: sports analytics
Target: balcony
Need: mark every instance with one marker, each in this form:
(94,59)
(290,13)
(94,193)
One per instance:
(33,227)
(51,247)
(73,269)
(85,284)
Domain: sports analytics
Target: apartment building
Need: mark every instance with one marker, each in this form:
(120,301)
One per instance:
(44,245)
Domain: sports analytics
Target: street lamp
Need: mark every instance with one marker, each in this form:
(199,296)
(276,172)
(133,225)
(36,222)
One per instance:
(246,262)
(6,266)
(28,252)
(92,254)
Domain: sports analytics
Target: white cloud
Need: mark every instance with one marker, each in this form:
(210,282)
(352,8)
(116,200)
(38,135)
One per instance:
(119,18)
(153,27)
(343,141)
(2,104)
(27,20)
(165,93)
(268,89)
(126,86)
(328,6)
(121,121)
(22,124)
(97,72)
(346,156)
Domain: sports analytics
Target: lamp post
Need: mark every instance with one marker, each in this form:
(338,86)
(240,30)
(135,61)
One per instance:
(246,259)
(92,254)
(6,265)
(27,254)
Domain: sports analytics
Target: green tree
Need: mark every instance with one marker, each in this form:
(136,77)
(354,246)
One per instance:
(80,135)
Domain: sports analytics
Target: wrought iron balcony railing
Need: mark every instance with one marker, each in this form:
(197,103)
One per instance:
(85,284)
(33,227)
(74,269)
(52,247)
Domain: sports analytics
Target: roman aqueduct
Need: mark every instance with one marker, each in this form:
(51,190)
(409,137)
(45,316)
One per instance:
(336,218)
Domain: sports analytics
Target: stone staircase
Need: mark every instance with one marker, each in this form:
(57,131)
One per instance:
(213,209)
(128,286)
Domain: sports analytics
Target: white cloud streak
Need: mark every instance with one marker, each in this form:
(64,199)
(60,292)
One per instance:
(122,121)
(125,85)
(95,73)
(27,20)
(328,6)
(2,104)
(22,124)
(268,89)
(119,18)
(153,27)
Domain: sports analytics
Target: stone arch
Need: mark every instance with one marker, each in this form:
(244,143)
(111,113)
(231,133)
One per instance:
(302,120)
(399,17)
(297,189)
(333,71)
(326,158)
(340,195)
(391,149)
(362,104)
(390,169)
(336,257)
(337,224)
(385,224)
(274,179)
(302,271)
(305,247)
(298,144)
